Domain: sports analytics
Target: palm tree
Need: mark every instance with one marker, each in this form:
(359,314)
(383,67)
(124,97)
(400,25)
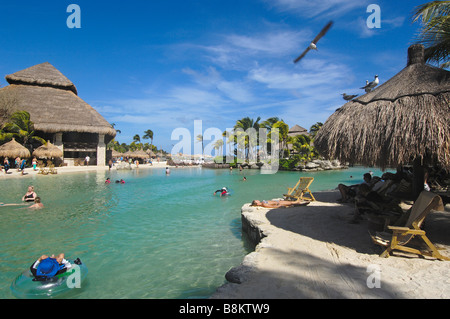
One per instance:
(283,130)
(268,124)
(245,124)
(21,127)
(200,139)
(114,127)
(148,135)
(136,142)
(435,32)
(315,128)
(218,145)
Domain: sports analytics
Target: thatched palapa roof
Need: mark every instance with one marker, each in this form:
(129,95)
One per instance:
(53,103)
(405,119)
(48,150)
(297,130)
(14,149)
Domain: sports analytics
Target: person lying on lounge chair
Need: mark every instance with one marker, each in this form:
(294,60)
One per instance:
(278,203)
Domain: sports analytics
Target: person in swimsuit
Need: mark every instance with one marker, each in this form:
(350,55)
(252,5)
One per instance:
(37,204)
(30,195)
(223,191)
(277,203)
(48,267)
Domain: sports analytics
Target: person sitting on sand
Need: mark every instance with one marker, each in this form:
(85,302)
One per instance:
(48,267)
(351,191)
(278,203)
(30,195)
(37,204)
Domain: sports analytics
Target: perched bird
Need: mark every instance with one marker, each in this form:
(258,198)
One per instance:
(370,85)
(348,97)
(367,88)
(313,44)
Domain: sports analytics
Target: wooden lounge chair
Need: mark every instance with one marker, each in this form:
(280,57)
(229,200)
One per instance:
(401,236)
(300,189)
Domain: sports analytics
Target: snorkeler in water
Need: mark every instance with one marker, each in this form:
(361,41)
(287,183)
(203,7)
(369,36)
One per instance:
(223,191)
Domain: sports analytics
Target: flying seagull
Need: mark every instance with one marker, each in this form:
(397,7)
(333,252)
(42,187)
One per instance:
(348,97)
(369,86)
(312,45)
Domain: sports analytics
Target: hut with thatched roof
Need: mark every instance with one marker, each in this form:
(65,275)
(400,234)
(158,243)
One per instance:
(406,120)
(297,130)
(58,113)
(14,149)
(48,150)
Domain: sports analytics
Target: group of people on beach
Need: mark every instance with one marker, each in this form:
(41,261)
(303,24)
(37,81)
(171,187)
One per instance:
(20,165)
(376,195)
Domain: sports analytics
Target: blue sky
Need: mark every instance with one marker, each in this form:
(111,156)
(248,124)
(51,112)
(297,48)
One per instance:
(160,65)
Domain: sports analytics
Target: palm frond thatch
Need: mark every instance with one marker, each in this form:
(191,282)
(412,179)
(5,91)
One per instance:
(406,118)
(14,149)
(53,103)
(48,150)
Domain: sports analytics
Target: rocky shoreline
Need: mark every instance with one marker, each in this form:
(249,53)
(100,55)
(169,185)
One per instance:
(312,166)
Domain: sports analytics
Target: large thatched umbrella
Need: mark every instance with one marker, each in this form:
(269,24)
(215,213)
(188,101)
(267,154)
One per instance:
(139,154)
(48,150)
(14,149)
(405,120)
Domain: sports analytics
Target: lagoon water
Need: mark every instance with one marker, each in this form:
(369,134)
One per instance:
(155,236)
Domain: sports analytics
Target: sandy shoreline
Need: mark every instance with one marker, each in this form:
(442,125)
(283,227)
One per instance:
(13,173)
(314,252)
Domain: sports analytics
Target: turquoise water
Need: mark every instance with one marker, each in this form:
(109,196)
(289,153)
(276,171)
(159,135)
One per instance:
(155,236)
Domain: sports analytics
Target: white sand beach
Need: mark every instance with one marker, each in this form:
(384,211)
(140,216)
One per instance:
(13,173)
(314,252)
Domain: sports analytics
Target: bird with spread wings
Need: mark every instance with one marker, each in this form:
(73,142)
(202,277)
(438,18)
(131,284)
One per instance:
(313,44)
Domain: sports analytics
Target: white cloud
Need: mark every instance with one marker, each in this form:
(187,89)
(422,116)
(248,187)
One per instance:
(312,9)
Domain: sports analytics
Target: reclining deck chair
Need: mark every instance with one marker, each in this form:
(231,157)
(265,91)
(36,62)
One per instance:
(401,236)
(300,189)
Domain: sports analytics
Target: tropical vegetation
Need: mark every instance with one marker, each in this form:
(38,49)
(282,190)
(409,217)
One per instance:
(435,31)
(21,128)
(293,149)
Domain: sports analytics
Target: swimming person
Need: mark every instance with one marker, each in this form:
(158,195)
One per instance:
(30,195)
(278,203)
(121,181)
(48,267)
(223,191)
(107,181)
(37,204)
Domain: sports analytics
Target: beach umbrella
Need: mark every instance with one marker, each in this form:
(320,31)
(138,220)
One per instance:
(48,150)
(115,153)
(139,154)
(405,120)
(14,149)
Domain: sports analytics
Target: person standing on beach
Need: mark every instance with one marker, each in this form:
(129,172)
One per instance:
(34,163)
(6,165)
(22,166)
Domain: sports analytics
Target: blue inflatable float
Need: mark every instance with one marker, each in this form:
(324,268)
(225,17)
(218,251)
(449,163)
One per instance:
(26,287)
